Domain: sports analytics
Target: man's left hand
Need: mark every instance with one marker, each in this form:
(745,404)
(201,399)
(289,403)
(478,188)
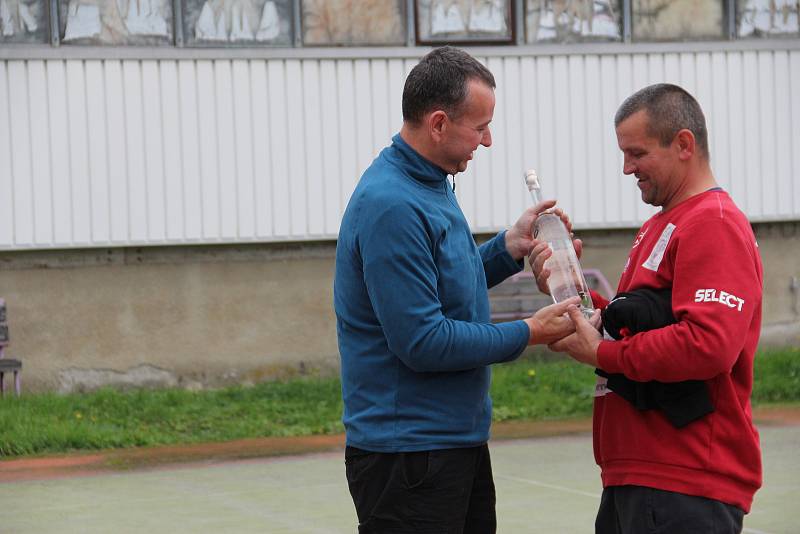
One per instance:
(519,238)
(582,345)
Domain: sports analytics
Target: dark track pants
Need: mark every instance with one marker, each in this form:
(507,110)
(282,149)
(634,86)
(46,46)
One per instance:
(640,510)
(448,491)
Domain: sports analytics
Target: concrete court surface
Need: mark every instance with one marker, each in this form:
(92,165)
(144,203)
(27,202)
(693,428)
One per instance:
(543,485)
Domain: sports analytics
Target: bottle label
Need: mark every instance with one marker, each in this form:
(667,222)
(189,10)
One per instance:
(657,254)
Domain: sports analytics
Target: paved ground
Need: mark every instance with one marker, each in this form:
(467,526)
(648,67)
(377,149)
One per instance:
(544,485)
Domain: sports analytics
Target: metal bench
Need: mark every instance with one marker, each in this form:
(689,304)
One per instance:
(518,297)
(7,364)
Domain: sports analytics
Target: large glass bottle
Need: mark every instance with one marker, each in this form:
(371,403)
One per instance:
(566,277)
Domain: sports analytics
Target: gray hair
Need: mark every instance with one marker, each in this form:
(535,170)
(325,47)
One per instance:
(670,109)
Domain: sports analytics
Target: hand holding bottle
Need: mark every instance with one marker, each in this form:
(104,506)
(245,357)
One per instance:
(551,323)
(539,254)
(519,238)
(582,345)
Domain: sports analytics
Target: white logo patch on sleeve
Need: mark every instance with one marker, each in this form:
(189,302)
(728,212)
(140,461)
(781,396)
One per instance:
(723,297)
(657,254)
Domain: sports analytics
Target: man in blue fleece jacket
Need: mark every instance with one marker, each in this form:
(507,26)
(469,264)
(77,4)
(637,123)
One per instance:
(412,311)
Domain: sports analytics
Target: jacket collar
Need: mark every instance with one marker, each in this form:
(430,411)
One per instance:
(414,164)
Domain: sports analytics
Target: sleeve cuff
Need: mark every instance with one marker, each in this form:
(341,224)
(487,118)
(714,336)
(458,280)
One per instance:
(608,353)
(522,334)
(599,301)
(510,262)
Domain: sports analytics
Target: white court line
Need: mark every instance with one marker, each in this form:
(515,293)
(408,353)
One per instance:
(550,486)
(745,530)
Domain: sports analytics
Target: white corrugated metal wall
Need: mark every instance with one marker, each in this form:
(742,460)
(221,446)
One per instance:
(116,152)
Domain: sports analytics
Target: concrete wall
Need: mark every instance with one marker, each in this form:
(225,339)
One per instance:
(214,315)
(190,317)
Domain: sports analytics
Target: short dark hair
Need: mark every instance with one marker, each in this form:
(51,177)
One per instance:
(440,81)
(670,109)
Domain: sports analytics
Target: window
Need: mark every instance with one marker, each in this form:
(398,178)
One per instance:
(579,20)
(662,20)
(354,22)
(23,21)
(464,21)
(116,22)
(243,22)
(768,18)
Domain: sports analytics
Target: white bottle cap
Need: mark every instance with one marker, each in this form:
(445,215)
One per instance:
(531,180)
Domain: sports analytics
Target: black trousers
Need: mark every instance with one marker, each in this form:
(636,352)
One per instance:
(636,509)
(449,491)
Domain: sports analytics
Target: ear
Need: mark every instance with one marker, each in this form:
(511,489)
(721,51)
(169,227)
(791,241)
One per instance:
(685,143)
(437,124)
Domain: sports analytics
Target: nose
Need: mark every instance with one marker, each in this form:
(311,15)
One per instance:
(486,139)
(628,166)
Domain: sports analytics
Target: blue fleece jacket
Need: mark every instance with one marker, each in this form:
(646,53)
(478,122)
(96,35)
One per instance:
(412,311)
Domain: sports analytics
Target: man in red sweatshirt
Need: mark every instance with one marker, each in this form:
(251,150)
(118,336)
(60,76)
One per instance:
(656,477)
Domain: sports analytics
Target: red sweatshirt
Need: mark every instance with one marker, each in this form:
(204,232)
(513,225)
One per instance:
(705,250)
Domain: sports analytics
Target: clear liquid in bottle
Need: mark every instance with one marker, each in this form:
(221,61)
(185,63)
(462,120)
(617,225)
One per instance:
(566,277)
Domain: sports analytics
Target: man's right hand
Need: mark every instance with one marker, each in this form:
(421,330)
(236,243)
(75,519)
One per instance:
(582,345)
(551,323)
(539,254)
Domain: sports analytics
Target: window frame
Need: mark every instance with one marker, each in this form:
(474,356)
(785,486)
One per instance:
(517,29)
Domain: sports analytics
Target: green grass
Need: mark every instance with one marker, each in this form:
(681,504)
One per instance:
(534,387)
(49,423)
(777,376)
(542,387)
